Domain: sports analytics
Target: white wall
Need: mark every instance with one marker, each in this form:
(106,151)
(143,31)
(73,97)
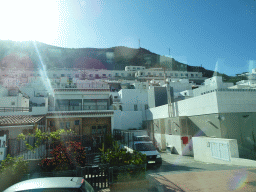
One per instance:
(127,119)
(236,101)
(203,104)
(134,96)
(14,131)
(211,84)
(157,112)
(215,102)
(19,101)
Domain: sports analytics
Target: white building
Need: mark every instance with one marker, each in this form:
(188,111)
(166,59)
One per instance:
(220,112)
(210,85)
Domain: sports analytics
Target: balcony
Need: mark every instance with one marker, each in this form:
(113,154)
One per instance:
(15,109)
(79,108)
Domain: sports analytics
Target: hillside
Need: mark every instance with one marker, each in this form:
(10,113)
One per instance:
(24,54)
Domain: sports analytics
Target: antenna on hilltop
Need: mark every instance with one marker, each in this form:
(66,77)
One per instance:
(139,43)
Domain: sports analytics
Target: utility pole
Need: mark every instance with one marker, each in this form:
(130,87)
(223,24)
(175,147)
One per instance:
(139,43)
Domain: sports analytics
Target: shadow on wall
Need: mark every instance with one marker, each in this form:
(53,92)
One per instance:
(194,130)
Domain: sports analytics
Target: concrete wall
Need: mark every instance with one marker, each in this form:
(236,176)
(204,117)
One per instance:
(240,126)
(236,101)
(17,101)
(157,112)
(134,96)
(203,104)
(202,149)
(14,131)
(127,119)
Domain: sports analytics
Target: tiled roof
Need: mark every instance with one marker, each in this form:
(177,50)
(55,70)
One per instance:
(19,119)
(75,113)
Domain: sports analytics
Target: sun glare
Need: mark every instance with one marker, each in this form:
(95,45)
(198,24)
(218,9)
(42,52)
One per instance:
(29,20)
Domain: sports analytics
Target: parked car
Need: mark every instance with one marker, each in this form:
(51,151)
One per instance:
(52,184)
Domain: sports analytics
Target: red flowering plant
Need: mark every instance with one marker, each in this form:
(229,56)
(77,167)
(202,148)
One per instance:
(65,157)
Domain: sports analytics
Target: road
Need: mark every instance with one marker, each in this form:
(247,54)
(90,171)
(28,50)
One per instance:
(182,173)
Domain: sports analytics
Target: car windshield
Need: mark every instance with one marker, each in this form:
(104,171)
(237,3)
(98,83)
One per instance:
(145,147)
(80,78)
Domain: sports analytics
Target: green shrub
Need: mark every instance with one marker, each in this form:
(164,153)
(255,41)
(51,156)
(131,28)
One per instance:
(117,156)
(12,170)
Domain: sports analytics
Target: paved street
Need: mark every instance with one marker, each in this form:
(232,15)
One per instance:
(184,174)
(179,173)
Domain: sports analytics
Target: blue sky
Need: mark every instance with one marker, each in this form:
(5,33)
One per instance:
(219,35)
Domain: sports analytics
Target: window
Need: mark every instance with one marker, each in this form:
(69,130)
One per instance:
(176,74)
(196,75)
(160,74)
(171,74)
(122,74)
(104,129)
(52,123)
(62,75)
(91,75)
(103,75)
(61,125)
(54,75)
(192,75)
(117,74)
(120,107)
(13,103)
(77,122)
(109,75)
(67,124)
(94,129)
(186,74)
(77,75)
(68,75)
(154,74)
(146,107)
(149,73)
(135,107)
(99,129)
(181,74)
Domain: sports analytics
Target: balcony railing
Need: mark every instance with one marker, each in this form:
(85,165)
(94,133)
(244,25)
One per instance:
(15,109)
(79,108)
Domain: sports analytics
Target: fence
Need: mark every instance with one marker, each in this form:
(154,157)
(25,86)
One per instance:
(14,109)
(99,176)
(18,147)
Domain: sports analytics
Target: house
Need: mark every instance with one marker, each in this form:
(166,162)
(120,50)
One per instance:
(84,109)
(221,113)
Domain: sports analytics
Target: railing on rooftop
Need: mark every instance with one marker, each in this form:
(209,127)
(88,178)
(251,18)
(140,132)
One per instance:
(15,109)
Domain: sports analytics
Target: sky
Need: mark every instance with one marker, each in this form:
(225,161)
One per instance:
(219,35)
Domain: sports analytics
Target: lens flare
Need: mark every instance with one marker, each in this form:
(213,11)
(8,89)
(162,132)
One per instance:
(238,181)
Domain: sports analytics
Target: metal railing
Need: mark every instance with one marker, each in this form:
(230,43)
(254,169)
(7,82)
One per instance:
(80,108)
(15,109)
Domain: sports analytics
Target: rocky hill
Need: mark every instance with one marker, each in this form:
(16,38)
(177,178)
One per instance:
(32,55)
